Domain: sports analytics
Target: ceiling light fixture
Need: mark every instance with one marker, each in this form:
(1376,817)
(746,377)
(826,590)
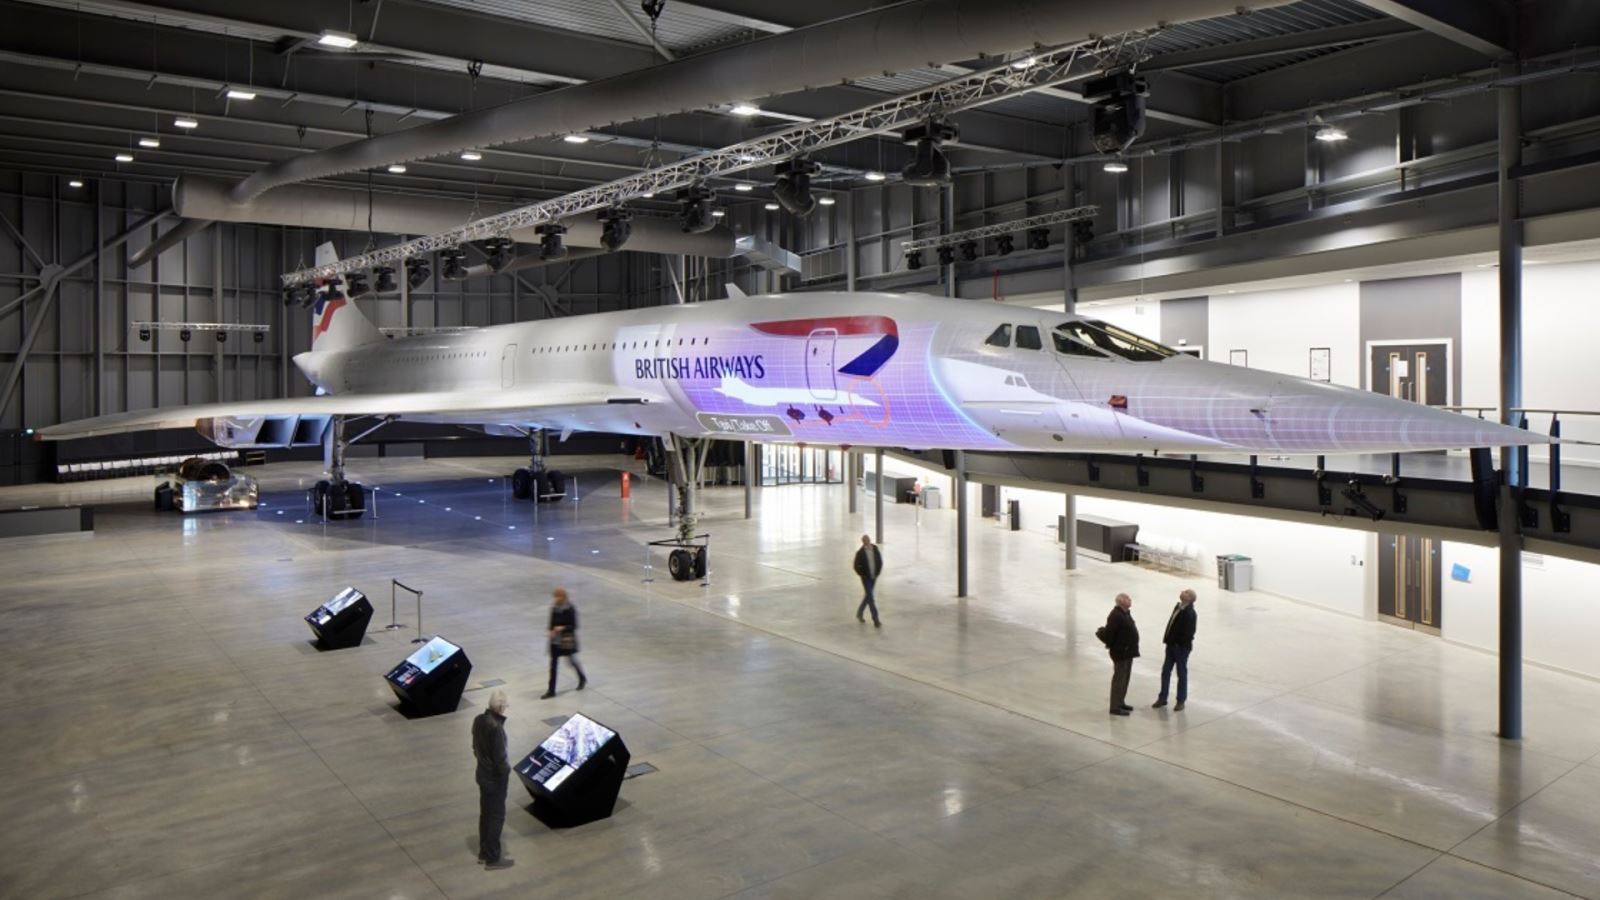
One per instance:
(576,139)
(826,201)
(648,194)
(471,155)
(1023,63)
(342,40)
(875,176)
(745,109)
(1115,166)
(124,157)
(771,207)
(183,122)
(150,142)
(1329,134)
(397,169)
(744,187)
(240,94)
(718,213)
(74,183)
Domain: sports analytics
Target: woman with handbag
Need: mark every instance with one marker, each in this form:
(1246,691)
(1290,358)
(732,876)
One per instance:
(563,637)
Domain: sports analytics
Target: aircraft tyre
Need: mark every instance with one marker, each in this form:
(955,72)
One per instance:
(700,562)
(680,564)
(355,500)
(319,498)
(522,484)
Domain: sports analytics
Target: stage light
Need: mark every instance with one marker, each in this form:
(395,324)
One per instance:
(397,169)
(383,279)
(929,168)
(1038,238)
(500,251)
(297,294)
(695,205)
(453,264)
(875,176)
(550,246)
(1003,245)
(184,334)
(745,109)
(470,156)
(222,337)
(1117,118)
(417,272)
(259,337)
(616,226)
(239,94)
(150,142)
(947,255)
(185,122)
(792,189)
(124,157)
(576,139)
(1115,166)
(1329,134)
(969,251)
(144,334)
(744,187)
(356,285)
(341,40)
(914,259)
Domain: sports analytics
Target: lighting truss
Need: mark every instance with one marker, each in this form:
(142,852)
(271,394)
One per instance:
(1048,68)
(200,326)
(1044,220)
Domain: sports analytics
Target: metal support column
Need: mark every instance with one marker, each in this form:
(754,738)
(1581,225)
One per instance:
(1069,305)
(852,465)
(99,304)
(1510,126)
(877,498)
(218,357)
(947,224)
(749,467)
(852,459)
(961,523)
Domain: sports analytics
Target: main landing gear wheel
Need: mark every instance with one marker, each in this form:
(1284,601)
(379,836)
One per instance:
(681,564)
(699,562)
(522,484)
(339,499)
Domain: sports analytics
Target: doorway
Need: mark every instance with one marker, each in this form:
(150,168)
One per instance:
(1408,582)
(1418,371)
(796,464)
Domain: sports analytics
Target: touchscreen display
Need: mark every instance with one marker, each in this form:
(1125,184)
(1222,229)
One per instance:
(429,655)
(337,605)
(577,740)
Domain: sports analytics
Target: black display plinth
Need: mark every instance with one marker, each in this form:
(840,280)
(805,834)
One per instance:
(576,773)
(342,621)
(430,681)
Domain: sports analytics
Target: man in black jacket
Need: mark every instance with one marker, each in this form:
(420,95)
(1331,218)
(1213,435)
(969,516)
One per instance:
(868,565)
(494,775)
(1121,637)
(1179,639)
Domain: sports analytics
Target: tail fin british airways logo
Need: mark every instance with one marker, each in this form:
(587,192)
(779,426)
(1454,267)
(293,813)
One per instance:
(328,303)
(869,362)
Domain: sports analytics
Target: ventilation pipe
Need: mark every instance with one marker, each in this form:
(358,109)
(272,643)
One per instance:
(203,199)
(907,35)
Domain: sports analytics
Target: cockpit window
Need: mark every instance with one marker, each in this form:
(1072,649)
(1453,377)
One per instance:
(1116,341)
(1001,337)
(1028,338)
(1066,346)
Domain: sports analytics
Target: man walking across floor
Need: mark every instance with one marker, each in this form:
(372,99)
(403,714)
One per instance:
(494,775)
(1179,638)
(1121,637)
(869,563)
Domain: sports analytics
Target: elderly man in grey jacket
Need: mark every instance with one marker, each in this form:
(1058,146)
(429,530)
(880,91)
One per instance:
(494,776)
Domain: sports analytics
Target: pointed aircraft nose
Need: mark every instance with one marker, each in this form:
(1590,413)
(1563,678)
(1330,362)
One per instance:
(1309,416)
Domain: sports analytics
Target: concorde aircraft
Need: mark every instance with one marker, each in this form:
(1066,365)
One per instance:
(832,368)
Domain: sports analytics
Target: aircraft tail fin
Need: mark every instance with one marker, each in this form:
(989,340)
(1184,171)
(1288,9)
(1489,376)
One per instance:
(336,323)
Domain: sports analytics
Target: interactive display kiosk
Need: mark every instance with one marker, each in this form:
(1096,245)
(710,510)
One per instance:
(430,681)
(575,774)
(342,621)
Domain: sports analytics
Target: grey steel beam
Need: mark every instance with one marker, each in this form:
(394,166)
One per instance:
(1509,114)
(1483,26)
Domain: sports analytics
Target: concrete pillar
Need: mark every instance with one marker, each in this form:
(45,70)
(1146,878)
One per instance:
(878,497)
(852,464)
(961,523)
(749,476)
(1510,156)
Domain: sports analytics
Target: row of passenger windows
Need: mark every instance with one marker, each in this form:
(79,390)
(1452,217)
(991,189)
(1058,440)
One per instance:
(1085,338)
(428,357)
(624,345)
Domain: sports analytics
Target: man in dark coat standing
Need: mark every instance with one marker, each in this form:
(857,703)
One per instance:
(494,775)
(869,563)
(1121,637)
(1179,639)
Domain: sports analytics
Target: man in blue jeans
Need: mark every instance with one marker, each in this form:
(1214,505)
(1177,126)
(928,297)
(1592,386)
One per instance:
(1179,638)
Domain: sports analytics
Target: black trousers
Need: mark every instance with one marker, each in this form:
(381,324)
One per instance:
(491,817)
(868,602)
(572,658)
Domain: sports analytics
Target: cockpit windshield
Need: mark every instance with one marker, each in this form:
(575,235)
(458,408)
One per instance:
(1111,339)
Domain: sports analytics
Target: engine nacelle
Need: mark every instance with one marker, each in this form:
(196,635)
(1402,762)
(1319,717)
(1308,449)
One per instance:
(262,432)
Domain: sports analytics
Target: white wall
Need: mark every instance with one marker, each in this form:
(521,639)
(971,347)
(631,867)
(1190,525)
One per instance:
(1560,618)
(1278,328)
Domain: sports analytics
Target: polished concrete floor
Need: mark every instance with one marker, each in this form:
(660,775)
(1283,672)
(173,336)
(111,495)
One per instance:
(168,731)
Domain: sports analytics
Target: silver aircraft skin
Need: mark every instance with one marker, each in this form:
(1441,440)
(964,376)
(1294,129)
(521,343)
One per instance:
(832,368)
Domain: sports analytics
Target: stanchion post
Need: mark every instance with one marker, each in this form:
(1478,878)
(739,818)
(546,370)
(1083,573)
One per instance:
(419,638)
(393,624)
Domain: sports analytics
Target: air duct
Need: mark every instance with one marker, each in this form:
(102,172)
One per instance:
(901,36)
(202,198)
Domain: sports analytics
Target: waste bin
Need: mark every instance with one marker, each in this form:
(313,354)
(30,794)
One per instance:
(1233,572)
(932,497)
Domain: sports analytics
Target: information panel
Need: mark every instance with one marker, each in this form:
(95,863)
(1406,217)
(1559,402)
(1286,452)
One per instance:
(342,621)
(575,774)
(431,679)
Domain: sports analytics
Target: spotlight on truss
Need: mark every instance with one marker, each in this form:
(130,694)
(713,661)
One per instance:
(914,259)
(500,251)
(550,245)
(969,250)
(1038,238)
(616,226)
(1003,244)
(929,167)
(696,203)
(417,272)
(453,264)
(383,279)
(792,190)
(947,255)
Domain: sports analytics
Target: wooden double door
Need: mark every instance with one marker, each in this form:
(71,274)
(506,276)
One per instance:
(1408,582)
